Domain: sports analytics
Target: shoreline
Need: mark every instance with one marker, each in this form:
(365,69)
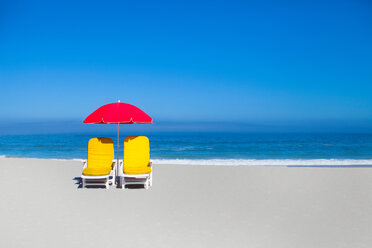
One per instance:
(198,206)
(321,163)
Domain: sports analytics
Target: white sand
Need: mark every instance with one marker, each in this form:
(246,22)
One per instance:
(188,206)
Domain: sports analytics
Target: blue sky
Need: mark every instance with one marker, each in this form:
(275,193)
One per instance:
(196,61)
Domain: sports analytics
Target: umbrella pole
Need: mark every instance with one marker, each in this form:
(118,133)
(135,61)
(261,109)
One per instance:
(117,157)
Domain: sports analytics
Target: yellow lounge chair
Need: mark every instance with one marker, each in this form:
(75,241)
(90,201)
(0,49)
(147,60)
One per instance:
(99,170)
(136,166)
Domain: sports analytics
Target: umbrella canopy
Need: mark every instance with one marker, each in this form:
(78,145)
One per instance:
(118,113)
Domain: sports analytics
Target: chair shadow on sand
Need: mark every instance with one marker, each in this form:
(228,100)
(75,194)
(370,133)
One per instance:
(78,182)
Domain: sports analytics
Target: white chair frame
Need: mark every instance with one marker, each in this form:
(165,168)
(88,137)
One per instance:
(130,179)
(104,180)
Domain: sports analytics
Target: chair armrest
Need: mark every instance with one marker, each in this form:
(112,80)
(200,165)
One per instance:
(150,164)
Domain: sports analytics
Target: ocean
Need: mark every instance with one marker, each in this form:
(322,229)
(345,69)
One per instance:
(276,149)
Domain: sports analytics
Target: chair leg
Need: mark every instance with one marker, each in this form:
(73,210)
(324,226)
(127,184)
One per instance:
(121,183)
(147,183)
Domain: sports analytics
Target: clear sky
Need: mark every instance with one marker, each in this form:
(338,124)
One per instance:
(209,61)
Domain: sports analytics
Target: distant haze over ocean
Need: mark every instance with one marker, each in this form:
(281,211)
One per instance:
(281,126)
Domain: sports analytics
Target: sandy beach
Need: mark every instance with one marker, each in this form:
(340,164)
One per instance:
(188,206)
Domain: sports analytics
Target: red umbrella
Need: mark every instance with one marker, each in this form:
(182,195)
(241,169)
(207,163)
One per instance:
(118,113)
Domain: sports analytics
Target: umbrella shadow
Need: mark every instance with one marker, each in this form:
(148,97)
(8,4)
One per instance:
(134,186)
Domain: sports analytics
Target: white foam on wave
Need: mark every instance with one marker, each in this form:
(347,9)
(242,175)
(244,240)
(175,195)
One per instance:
(267,162)
(250,162)
(68,159)
(56,159)
(61,159)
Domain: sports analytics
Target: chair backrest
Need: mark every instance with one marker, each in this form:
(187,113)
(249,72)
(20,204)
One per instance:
(100,152)
(136,155)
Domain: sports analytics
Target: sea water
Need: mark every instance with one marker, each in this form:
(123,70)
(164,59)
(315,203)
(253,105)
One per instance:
(209,148)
